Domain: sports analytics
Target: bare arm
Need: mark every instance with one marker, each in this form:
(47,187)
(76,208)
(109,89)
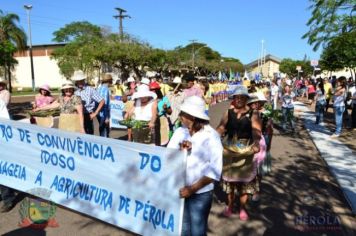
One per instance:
(53,105)
(100,106)
(221,127)
(151,124)
(187,191)
(256,130)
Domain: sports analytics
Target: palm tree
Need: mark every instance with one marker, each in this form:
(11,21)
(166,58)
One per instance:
(12,38)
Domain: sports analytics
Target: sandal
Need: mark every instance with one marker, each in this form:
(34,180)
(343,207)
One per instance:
(243,215)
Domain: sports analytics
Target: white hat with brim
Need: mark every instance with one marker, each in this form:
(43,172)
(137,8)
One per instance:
(78,76)
(3,81)
(143,91)
(195,106)
(145,80)
(67,85)
(130,79)
(256,97)
(241,90)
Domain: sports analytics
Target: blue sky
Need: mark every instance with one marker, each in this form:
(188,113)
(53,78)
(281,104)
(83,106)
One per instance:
(234,28)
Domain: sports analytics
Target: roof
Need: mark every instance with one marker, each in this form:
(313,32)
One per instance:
(269,57)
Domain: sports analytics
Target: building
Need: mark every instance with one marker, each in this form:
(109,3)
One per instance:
(268,69)
(46,69)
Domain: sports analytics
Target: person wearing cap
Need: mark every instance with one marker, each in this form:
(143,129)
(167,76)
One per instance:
(4,93)
(242,126)
(104,114)
(92,101)
(44,97)
(203,167)
(144,109)
(130,86)
(71,109)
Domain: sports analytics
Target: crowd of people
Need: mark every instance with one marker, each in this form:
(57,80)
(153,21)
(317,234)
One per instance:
(175,114)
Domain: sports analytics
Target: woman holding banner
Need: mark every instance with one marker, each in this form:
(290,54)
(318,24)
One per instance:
(71,109)
(204,163)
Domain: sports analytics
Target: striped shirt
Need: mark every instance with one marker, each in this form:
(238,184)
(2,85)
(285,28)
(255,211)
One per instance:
(90,97)
(104,92)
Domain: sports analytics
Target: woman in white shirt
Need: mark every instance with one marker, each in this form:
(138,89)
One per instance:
(204,164)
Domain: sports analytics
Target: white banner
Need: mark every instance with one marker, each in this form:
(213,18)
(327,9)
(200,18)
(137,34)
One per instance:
(131,185)
(116,111)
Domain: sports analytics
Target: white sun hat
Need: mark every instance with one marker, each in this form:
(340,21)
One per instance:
(261,97)
(195,106)
(68,84)
(143,91)
(130,79)
(78,76)
(145,81)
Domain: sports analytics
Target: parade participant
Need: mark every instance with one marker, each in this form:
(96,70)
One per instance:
(92,101)
(104,114)
(4,93)
(176,97)
(119,89)
(287,100)
(144,110)
(243,129)
(71,109)
(162,126)
(44,97)
(353,105)
(204,164)
(320,103)
(328,93)
(256,103)
(274,94)
(131,86)
(339,104)
(7,195)
(204,86)
(192,89)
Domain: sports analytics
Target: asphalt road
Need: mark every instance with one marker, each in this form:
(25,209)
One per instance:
(299,197)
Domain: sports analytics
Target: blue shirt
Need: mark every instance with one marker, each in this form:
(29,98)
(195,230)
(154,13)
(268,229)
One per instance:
(90,97)
(160,105)
(104,92)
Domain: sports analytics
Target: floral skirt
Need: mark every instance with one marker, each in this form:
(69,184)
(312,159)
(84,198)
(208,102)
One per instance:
(241,188)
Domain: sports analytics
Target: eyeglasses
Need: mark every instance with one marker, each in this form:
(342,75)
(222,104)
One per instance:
(240,97)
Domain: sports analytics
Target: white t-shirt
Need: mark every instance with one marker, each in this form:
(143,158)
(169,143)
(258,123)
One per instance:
(205,158)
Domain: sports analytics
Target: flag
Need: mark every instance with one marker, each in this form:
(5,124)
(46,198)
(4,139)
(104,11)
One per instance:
(232,75)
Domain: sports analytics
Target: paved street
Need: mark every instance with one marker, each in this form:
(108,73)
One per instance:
(299,192)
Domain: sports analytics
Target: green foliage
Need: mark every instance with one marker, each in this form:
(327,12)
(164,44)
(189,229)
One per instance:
(289,66)
(340,52)
(77,31)
(329,19)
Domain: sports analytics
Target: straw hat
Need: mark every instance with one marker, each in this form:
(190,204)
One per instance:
(143,91)
(195,106)
(106,78)
(257,97)
(241,90)
(45,87)
(78,76)
(68,84)
(3,81)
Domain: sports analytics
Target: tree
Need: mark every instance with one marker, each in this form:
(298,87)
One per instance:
(329,19)
(289,66)
(340,53)
(12,38)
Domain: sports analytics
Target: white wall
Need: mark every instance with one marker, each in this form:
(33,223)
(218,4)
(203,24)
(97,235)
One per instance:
(46,72)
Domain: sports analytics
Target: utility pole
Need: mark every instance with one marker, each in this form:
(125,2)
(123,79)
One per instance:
(193,52)
(28,9)
(121,16)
